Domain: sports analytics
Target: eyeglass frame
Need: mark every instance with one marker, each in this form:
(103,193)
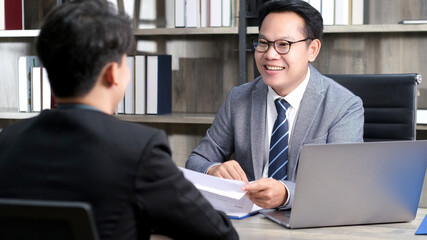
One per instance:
(274,44)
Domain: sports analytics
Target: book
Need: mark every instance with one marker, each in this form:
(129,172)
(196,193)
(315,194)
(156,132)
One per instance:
(204,13)
(2,27)
(140,84)
(192,13)
(159,84)
(328,12)
(223,194)
(25,63)
(130,89)
(169,13)
(226,13)
(317,4)
(13,17)
(215,13)
(36,89)
(235,13)
(148,14)
(179,13)
(357,14)
(32,14)
(342,12)
(46,92)
(129,8)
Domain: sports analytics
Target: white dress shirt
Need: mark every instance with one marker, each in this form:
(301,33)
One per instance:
(294,99)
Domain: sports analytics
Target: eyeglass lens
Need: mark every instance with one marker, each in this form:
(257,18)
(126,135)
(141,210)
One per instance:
(262,45)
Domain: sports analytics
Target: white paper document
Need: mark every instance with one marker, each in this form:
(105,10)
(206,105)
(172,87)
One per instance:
(224,194)
(422,116)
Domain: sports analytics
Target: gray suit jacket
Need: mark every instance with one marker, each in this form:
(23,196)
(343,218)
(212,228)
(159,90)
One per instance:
(329,113)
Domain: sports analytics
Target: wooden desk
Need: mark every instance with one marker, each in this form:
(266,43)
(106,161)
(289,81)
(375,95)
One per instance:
(258,227)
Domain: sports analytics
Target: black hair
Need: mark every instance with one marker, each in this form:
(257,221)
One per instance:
(312,18)
(77,40)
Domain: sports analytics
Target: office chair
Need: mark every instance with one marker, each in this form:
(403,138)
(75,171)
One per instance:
(390,103)
(47,220)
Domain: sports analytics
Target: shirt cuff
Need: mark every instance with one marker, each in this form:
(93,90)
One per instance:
(215,164)
(289,195)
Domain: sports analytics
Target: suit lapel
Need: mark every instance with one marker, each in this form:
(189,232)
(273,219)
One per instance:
(310,103)
(258,114)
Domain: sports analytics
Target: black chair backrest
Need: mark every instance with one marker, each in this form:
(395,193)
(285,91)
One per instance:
(390,102)
(37,219)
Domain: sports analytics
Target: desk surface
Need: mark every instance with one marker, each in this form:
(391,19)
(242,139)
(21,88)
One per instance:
(259,227)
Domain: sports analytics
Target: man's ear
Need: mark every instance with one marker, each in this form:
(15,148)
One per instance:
(314,49)
(110,74)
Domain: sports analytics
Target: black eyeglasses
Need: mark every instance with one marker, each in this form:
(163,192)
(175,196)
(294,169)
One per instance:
(281,46)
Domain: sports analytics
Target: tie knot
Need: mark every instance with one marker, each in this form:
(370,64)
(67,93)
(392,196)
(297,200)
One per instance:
(281,106)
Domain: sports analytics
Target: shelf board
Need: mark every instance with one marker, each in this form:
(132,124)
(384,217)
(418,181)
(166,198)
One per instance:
(19,33)
(377,28)
(186,31)
(140,32)
(367,28)
(184,118)
(17,115)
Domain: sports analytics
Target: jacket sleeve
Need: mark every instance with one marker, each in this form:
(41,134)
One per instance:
(173,205)
(349,126)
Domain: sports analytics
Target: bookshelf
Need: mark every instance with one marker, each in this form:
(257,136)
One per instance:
(206,64)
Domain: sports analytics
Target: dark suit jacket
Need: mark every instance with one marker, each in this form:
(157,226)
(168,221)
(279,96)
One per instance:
(124,170)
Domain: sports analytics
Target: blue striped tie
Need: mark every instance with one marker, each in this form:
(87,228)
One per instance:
(278,157)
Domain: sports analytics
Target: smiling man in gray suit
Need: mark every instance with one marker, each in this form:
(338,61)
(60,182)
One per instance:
(317,110)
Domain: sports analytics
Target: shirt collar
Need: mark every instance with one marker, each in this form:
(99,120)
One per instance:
(293,98)
(77,106)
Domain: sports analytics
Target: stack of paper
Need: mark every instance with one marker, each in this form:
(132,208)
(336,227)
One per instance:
(224,194)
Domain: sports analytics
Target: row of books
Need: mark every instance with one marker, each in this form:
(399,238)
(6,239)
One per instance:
(25,14)
(149,91)
(150,88)
(11,15)
(224,13)
(204,13)
(34,92)
(342,12)
(28,14)
(181,13)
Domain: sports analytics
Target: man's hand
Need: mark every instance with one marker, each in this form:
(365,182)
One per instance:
(229,170)
(266,192)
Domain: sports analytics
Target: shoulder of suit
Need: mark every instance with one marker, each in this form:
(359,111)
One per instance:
(247,88)
(325,84)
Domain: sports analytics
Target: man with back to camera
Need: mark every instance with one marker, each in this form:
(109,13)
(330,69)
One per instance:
(79,152)
(265,122)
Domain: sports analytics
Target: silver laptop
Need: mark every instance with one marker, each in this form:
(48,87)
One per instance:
(356,183)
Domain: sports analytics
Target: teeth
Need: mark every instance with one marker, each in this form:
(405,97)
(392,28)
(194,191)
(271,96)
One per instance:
(274,68)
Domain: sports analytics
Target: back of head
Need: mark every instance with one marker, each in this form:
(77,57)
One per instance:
(312,18)
(77,40)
